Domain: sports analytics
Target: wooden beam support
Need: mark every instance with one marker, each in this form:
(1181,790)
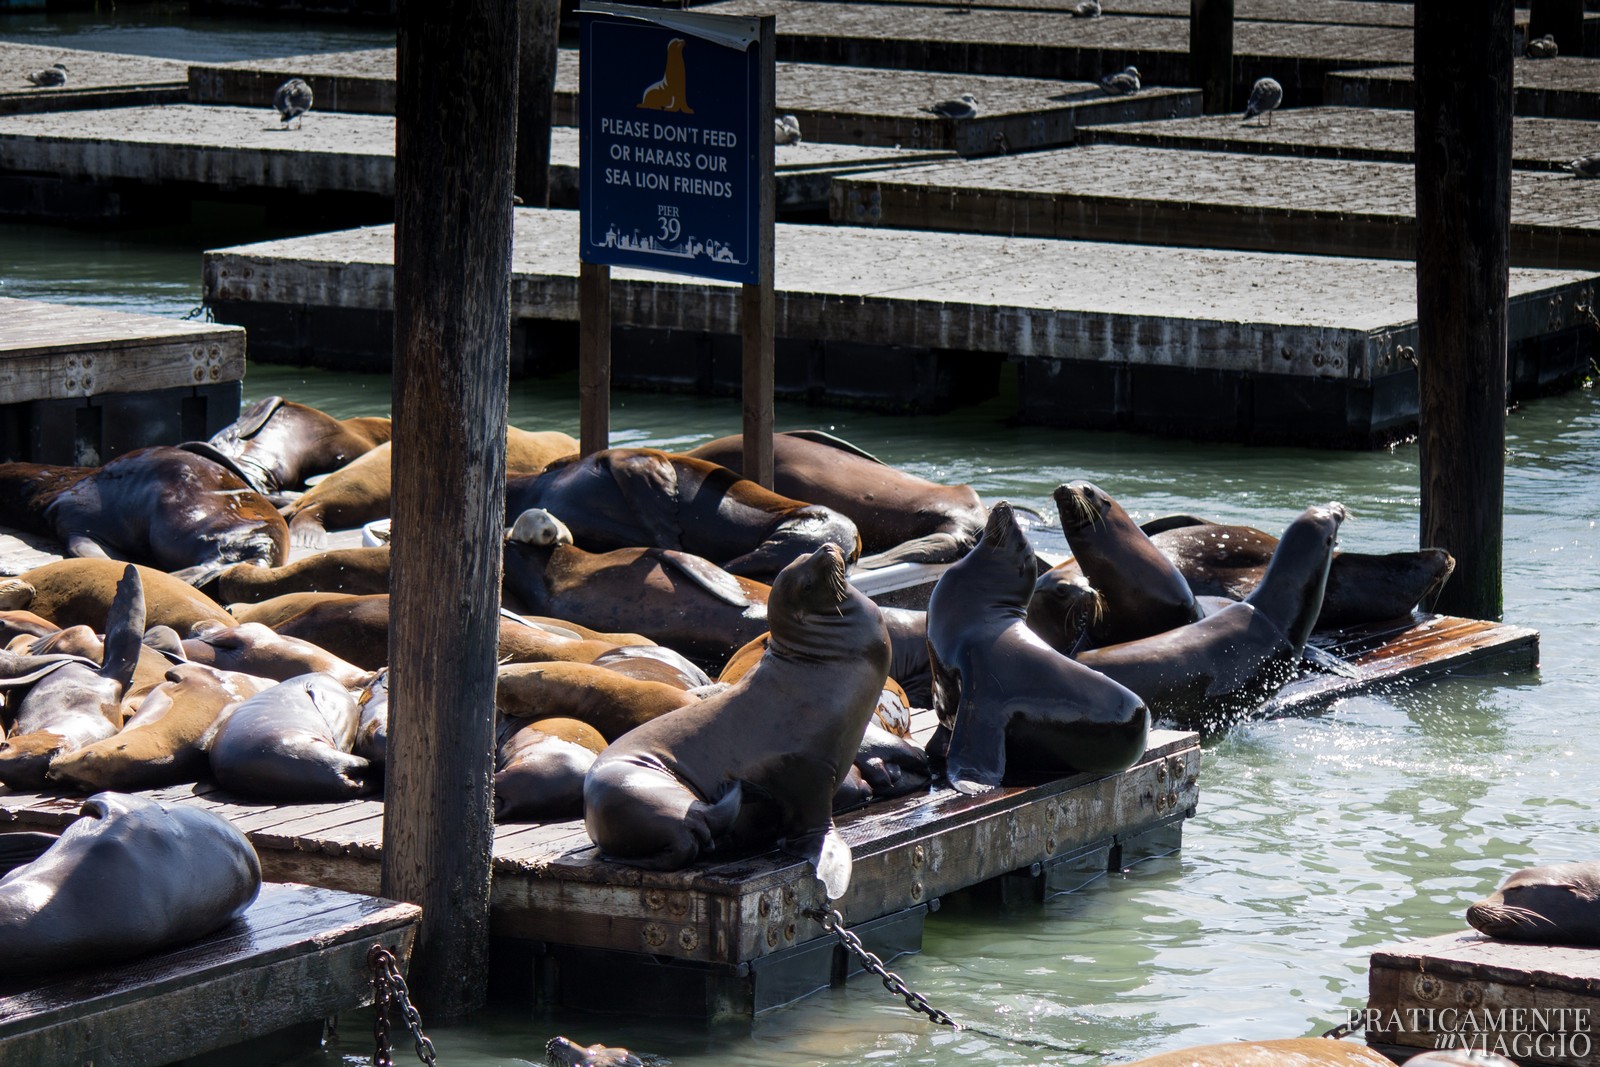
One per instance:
(455,146)
(1463,175)
(594,357)
(1211,52)
(538,24)
(757,309)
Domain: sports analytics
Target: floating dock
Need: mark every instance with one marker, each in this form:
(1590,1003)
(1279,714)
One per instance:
(297,957)
(1331,12)
(1381,134)
(94,79)
(1566,87)
(1308,349)
(1107,192)
(842,105)
(1535,1004)
(81,385)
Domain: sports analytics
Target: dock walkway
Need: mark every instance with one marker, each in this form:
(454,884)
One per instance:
(94,79)
(1566,87)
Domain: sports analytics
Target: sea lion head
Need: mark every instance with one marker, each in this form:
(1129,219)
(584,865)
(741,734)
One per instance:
(1064,609)
(1082,505)
(1558,903)
(15,594)
(560,1052)
(815,611)
(538,527)
(1006,557)
(1291,589)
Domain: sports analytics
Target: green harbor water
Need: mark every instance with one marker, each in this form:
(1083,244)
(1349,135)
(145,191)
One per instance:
(1316,839)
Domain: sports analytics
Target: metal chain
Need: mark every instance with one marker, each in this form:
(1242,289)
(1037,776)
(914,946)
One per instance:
(1346,1028)
(390,992)
(202,312)
(833,922)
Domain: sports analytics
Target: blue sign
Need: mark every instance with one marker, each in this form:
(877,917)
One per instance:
(669,113)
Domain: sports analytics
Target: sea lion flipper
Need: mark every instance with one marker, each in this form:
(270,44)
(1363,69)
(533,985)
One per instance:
(828,853)
(124,629)
(202,574)
(306,530)
(86,547)
(977,757)
(251,419)
(823,437)
(707,575)
(934,548)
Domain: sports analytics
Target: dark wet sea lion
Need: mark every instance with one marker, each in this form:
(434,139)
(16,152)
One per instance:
(759,762)
(159,506)
(892,713)
(611,702)
(357,571)
(643,497)
(251,648)
(129,877)
(291,743)
(1229,661)
(679,600)
(277,444)
(1293,1052)
(901,518)
(79,591)
(539,768)
(1010,701)
(560,1052)
(1557,904)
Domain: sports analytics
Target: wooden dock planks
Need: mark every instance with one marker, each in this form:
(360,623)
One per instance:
(1566,87)
(1331,12)
(297,956)
(1209,200)
(1380,134)
(94,79)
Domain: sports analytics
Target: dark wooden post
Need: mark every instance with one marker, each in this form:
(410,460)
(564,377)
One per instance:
(1563,18)
(538,24)
(1211,53)
(455,143)
(757,312)
(1463,149)
(594,357)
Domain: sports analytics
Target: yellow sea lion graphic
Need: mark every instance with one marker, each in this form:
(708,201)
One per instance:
(671,92)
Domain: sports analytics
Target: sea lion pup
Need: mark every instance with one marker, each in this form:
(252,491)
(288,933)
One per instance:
(539,768)
(160,506)
(759,762)
(1226,663)
(357,571)
(276,444)
(251,648)
(643,497)
(71,702)
(1557,904)
(71,592)
(1008,700)
(611,702)
(130,876)
(163,743)
(359,492)
(1293,1052)
(292,743)
(682,601)
(901,518)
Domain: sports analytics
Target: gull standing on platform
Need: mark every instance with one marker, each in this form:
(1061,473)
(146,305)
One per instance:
(1265,95)
(964,106)
(1122,83)
(54,74)
(293,100)
(1585,166)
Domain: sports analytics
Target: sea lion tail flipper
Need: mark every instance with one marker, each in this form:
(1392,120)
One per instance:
(707,575)
(124,629)
(85,547)
(828,853)
(202,574)
(251,419)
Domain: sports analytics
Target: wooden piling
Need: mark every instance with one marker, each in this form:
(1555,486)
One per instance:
(538,24)
(758,309)
(455,143)
(594,357)
(1561,18)
(1463,174)
(1211,52)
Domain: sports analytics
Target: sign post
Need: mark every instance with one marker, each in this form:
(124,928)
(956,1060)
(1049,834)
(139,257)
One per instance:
(675,119)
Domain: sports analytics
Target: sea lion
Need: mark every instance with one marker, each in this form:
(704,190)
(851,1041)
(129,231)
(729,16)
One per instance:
(372,728)
(610,702)
(671,93)
(291,743)
(130,876)
(1557,904)
(149,669)
(71,702)
(1229,661)
(679,600)
(19,623)
(1299,1052)
(901,518)
(251,648)
(560,1052)
(276,444)
(539,768)
(653,663)
(163,744)
(357,571)
(643,497)
(160,506)
(759,762)
(1008,699)
(892,713)
(74,591)
(359,492)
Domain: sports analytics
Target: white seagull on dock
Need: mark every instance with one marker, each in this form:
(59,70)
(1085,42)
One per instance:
(1265,95)
(293,100)
(1585,166)
(786,130)
(1123,82)
(1088,9)
(964,106)
(53,75)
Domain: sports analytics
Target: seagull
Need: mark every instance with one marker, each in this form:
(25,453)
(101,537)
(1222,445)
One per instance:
(293,100)
(964,106)
(1265,95)
(54,74)
(1543,47)
(1089,9)
(786,130)
(1585,166)
(1122,83)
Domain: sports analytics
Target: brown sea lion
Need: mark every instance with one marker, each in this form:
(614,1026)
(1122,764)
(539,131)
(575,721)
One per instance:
(560,1052)
(758,763)
(162,744)
(159,506)
(276,444)
(372,729)
(679,600)
(291,744)
(130,876)
(359,492)
(1557,904)
(1293,1052)
(901,518)
(643,497)
(1226,663)
(149,671)
(74,591)
(539,768)
(251,648)
(892,713)
(1008,700)
(24,624)
(653,663)
(610,702)
(357,571)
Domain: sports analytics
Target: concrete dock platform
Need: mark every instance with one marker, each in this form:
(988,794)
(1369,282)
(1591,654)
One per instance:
(94,79)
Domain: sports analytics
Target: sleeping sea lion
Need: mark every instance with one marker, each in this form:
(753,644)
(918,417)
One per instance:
(251,648)
(74,591)
(357,571)
(539,768)
(291,743)
(1557,904)
(276,444)
(610,702)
